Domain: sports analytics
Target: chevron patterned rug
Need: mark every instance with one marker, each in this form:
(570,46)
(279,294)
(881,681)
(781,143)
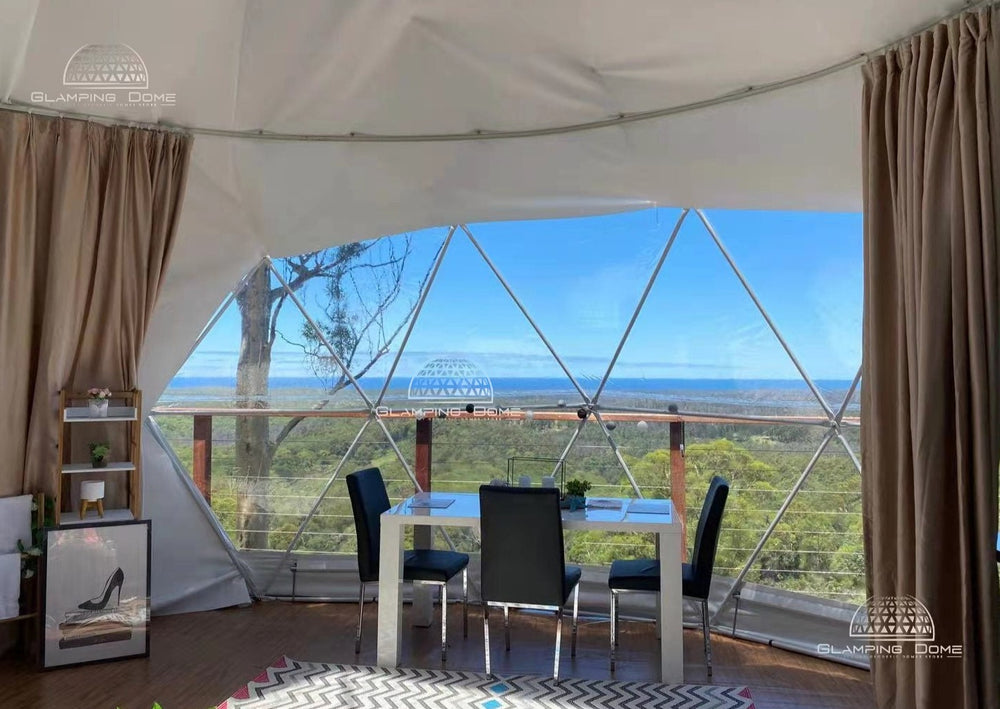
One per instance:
(290,684)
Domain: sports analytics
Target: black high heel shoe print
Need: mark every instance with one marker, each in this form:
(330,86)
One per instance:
(114,583)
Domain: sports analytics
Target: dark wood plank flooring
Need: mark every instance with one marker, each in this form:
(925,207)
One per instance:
(199,659)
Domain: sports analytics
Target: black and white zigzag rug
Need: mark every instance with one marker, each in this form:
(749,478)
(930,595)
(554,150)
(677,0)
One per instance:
(290,684)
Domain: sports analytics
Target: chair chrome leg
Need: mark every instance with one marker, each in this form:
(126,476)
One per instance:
(506,627)
(444,622)
(617,620)
(465,602)
(559,616)
(361,617)
(708,635)
(576,608)
(486,635)
(612,636)
(736,613)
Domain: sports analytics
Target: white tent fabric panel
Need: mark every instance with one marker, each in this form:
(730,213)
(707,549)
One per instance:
(191,570)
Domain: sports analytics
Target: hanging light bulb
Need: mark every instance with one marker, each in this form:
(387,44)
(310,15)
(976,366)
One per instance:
(642,425)
(419,414)
(611,425)
(529,415)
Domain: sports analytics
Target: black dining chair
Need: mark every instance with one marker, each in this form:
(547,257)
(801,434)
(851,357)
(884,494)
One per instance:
(369,500)
(523,561)
(643,575)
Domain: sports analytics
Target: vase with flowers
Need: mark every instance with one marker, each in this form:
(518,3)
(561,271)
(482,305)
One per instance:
(98,399)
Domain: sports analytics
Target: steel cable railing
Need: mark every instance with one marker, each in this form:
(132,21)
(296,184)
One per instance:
(816,548)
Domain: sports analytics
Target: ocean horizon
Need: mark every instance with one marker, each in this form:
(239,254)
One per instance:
(543,384)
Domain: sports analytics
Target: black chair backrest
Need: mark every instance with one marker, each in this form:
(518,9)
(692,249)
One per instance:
(707,538)
(368,501)
(522,546)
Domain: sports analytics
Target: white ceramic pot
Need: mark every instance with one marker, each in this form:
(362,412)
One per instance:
(92,490)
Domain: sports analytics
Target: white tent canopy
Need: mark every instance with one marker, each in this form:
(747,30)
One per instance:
(448,68)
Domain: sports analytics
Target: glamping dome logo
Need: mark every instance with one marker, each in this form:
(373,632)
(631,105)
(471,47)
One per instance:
(106,66)
(901,618)
(106,75)
(892,626)
(454,387)
(451,379)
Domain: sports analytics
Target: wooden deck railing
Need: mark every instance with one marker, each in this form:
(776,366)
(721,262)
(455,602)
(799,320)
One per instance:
(203,417)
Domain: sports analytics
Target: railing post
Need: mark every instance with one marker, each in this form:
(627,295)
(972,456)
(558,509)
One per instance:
(202,451)
(422,458)
(423,536)
(677,490)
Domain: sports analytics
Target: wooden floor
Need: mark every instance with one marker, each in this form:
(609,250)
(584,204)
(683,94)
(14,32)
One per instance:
(199,659)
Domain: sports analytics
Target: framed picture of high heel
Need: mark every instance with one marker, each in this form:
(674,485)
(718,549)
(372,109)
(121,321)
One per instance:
(95,593)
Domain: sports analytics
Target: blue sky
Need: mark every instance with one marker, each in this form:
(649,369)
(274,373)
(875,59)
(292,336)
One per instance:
(581,278)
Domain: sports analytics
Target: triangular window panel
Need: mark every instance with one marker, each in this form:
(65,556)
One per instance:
(806,269)
(356,311)
(580,279)
(471,348)
(702,345)
(817,546)
(331,528)
(261,352)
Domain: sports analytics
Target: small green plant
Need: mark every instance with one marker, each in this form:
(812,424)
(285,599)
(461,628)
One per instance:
(577,488)
(99,454)
(31,551)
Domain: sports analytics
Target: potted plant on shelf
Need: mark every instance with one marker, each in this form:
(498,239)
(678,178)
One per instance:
(575,496)
(99,401)
(99,454)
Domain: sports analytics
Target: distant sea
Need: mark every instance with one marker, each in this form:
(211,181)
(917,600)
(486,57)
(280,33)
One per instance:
(545,384)
(760,394)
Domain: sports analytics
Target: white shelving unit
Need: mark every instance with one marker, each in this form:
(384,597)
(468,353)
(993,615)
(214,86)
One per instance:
(81,414)
(116,515)
(70,468)
(121,425)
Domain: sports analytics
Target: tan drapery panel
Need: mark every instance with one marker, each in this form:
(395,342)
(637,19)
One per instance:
(930,418)
(87,217)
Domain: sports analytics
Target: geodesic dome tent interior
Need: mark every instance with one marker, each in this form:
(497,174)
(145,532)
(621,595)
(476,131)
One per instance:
(336,124)
(515,384)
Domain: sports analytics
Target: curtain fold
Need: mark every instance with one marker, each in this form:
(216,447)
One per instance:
(88,214)
(931,371)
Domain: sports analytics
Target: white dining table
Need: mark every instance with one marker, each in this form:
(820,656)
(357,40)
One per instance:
(608,514)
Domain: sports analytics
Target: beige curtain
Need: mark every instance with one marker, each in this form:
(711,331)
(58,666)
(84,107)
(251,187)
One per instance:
(930,418)
(87,217)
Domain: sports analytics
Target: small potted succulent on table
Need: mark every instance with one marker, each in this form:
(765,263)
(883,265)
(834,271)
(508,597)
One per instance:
(99,455)
(575,497)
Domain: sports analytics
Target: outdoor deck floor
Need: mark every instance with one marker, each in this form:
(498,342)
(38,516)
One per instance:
(199,659)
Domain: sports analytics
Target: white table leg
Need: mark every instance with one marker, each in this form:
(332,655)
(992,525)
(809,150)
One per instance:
(390,599)
(659,597)
(671,611)
(423,600)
